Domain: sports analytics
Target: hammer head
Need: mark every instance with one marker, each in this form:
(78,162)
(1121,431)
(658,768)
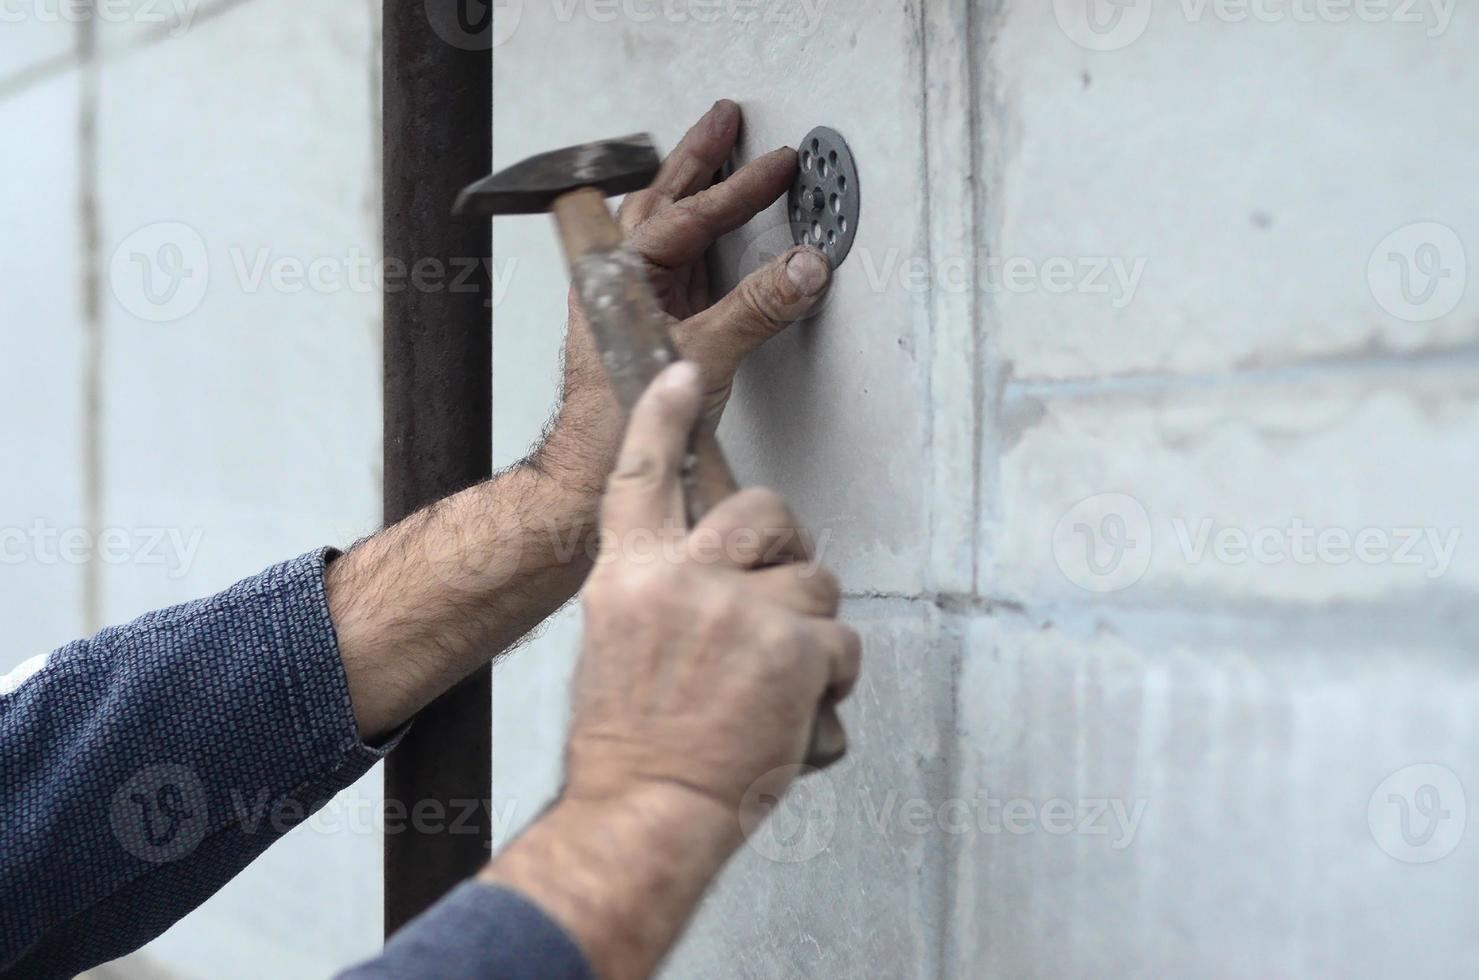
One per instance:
(616,166)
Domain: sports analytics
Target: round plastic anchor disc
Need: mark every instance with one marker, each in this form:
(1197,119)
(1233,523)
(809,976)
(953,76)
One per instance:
(824,201)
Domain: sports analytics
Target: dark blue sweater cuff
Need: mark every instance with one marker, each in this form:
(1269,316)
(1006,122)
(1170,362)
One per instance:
(479,931)
(147,766)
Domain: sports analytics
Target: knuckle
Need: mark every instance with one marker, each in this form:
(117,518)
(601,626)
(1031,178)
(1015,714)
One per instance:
(635,590)
(709,204)
(687,216)
(767,507)
(825,588)
(633,209)
(637,469)
(757,306)
(786,646)
(720,615)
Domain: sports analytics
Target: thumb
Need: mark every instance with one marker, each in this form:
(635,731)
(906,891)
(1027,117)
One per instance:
(765,303)
(645,490)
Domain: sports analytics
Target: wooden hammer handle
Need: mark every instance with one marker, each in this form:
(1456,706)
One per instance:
(707,478)
(631,335)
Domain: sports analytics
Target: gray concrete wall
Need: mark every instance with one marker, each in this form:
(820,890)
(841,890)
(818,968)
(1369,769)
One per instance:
(1150,487)
(1149,480)
(1278,698)
(841,414)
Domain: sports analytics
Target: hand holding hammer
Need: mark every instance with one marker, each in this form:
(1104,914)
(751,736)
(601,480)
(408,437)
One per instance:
(626,321)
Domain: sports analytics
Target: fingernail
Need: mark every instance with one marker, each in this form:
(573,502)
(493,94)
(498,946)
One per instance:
(680,375)
(809,271)
(721,117)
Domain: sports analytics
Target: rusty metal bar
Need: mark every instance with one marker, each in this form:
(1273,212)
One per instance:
(438,112)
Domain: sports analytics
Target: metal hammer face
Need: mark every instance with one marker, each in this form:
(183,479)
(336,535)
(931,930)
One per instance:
(616,166)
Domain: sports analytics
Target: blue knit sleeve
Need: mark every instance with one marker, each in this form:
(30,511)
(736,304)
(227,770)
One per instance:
(133,763)
(478,932)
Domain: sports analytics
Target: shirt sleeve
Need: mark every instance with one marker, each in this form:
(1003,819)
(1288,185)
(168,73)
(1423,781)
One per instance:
(145,767)
(479,932)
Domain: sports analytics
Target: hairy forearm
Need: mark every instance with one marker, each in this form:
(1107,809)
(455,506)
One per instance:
(426,602)
(621,875)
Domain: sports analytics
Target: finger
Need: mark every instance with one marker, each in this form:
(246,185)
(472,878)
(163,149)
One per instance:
(842,649)
(805,589)
(755,527)
(679,233)
(761,306)
(691,165)
(699,154)
(644,490)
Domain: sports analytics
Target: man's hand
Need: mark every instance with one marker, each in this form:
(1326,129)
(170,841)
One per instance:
(423,604)
(671,225)
(701,673)
(703,665)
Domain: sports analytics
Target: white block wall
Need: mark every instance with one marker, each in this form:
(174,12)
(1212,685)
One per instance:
(1151,488)
(1277,700)
(1144,288)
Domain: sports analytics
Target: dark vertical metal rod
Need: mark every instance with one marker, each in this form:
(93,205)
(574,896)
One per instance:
(438,112)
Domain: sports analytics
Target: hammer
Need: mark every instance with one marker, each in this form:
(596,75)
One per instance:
(626,321)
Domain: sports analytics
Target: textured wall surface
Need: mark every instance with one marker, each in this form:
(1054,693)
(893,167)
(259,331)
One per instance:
(1226,557)
(1140,426)
(836,414)
(1226,525)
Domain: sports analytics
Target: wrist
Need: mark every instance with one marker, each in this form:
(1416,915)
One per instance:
(579,448)
(621,873)
(426,602)
(661,812)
